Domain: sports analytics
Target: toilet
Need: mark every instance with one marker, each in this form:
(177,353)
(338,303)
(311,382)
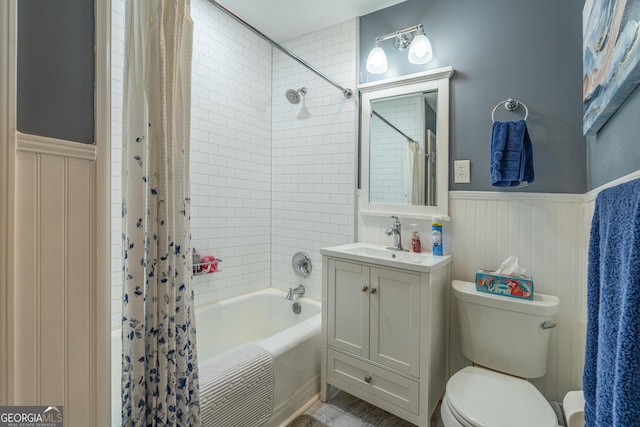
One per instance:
(507,339)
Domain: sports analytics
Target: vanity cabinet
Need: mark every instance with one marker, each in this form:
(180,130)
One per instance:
(374,313)
(385,335)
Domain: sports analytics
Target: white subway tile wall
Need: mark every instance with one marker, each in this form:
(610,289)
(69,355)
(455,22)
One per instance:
(117,64)
(230,153)
(314,154)
(266,181)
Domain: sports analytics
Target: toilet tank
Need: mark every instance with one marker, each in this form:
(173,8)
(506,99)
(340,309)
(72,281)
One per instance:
(502,333)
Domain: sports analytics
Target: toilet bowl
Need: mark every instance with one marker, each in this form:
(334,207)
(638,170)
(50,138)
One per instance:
(479,397)
(508,341)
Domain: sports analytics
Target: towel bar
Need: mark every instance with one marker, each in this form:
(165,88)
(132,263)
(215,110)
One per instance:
(510,104)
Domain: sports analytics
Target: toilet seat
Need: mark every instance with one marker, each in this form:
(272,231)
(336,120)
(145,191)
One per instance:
(450,417)
(479,397)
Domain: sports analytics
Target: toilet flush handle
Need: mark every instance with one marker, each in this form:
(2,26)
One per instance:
(548,325)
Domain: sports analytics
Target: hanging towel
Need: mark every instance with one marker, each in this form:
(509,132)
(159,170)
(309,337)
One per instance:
(611,379)
(511,154)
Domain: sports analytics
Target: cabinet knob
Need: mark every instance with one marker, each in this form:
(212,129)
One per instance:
(367,379)
(364,288)
(373,290)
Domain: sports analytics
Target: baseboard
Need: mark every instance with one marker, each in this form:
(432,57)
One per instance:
(301,410)
(299,402)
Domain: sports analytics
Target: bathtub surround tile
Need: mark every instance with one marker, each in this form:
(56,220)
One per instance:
(313,153)
(230,154)
(117,64)
(265,181)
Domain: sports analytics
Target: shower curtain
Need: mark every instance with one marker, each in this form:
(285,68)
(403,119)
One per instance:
(414,173)
(159,360)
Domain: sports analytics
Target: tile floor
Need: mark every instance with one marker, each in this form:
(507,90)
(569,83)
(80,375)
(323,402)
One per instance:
(345,410)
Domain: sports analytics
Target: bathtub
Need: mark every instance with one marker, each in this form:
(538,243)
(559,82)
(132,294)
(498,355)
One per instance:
(264,317)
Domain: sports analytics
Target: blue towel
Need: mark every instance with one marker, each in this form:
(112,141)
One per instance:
(511,154)
(611,379)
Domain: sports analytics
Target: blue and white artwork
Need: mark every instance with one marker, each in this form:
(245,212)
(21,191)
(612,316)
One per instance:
(611,58)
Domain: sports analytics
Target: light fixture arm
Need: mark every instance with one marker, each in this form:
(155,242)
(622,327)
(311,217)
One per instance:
(399,33)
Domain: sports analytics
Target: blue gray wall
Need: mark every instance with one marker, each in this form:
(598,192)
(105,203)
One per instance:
(500,49)
(615,151)
(56,69)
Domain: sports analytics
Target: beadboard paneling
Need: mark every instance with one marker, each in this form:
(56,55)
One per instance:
(54,344)
(547,234)
(79,297)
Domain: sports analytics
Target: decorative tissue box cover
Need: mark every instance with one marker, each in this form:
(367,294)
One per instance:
(511,286)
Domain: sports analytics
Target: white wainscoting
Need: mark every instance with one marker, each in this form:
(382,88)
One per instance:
(54,335)
(547,234)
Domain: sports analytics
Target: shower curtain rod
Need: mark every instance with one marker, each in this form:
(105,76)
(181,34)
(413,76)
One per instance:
(346,92)
(409,139)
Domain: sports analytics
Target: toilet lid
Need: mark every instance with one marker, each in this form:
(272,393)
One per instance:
(486,398)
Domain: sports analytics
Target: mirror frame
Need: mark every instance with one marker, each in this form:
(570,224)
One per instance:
(432,80)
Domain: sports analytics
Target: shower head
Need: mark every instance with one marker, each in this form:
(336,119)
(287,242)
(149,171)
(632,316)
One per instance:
(293,96)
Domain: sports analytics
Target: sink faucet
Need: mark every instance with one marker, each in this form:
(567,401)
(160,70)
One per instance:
(297,291)
(395,230)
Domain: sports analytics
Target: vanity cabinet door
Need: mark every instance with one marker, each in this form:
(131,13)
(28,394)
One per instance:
(395,320)
(348,307)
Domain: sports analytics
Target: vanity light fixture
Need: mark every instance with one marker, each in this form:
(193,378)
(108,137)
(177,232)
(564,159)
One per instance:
(420,51)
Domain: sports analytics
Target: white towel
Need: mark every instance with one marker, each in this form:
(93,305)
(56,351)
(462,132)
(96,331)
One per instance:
(236,388)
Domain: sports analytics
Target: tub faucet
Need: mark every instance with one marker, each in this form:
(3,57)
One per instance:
(395,230)
(295,291)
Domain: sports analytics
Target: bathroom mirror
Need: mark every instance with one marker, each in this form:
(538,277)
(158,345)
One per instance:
(405,145)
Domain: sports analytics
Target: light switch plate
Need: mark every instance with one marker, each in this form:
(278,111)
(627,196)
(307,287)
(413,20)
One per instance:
(462,173)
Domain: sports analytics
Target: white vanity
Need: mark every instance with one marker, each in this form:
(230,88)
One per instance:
(385,327)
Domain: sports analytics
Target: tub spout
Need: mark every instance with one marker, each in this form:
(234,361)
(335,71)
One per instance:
(295,291)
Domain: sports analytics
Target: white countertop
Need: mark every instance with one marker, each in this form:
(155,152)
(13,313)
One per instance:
(378,254)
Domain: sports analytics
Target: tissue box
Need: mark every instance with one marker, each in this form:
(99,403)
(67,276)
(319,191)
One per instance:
(511,286)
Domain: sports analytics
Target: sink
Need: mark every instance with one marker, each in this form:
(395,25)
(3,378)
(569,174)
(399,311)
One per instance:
(383,252)
(378,254)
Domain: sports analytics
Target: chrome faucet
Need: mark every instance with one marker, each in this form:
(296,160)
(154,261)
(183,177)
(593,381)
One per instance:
(396,231)
(295,291)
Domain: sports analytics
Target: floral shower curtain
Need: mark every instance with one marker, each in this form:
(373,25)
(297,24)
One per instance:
(159,360)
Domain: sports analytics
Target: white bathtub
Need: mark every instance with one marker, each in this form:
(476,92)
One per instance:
(265,318)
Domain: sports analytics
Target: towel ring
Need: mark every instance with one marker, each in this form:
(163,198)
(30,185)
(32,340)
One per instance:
(510,104)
